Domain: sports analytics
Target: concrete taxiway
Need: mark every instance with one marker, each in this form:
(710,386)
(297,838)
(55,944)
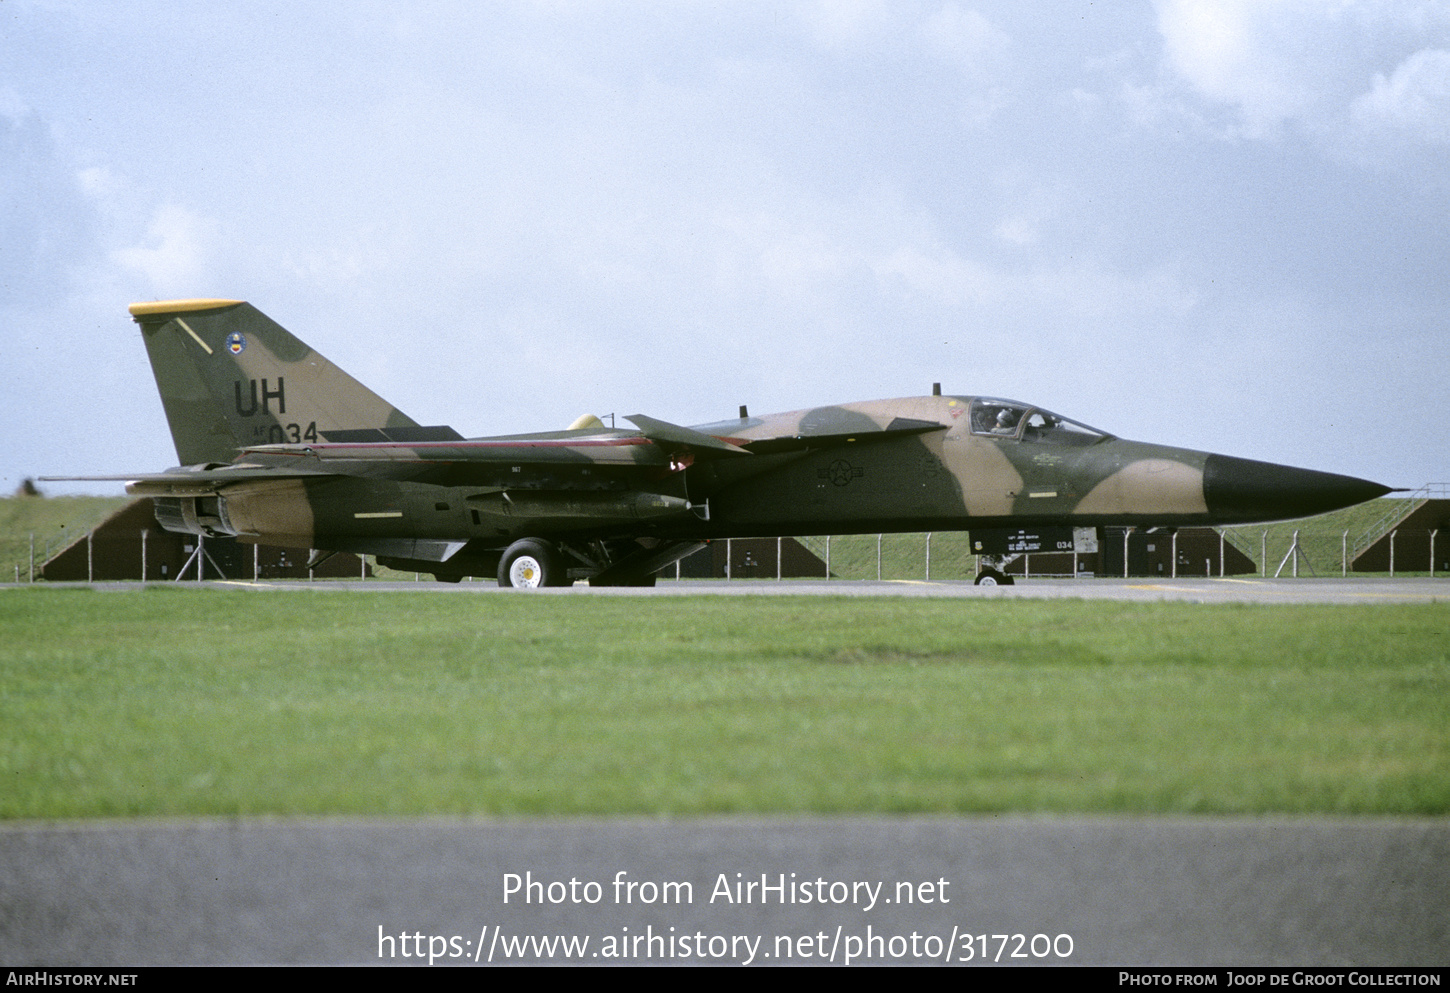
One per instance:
(1352,590)
(861,890)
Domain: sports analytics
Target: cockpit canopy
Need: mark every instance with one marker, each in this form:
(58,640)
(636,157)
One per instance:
(1021,421)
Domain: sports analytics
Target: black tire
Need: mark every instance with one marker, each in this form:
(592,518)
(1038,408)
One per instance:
(991,577)
(529,564)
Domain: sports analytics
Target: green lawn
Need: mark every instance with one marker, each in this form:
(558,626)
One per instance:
(53,523)
(180,701)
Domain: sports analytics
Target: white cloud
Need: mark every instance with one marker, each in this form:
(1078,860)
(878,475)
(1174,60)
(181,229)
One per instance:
(947,31)
(98,182)
(791,257)
(172,259)
(963,35)
(845,24)
(939,274)
(1253,55)
(1413,101)
(1282,66)
(1018,230)
(12,106)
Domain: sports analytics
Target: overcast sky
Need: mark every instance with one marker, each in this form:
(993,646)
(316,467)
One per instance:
(1220,224)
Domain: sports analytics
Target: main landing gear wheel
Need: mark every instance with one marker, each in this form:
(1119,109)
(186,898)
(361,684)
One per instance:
(991,577)
(529,564)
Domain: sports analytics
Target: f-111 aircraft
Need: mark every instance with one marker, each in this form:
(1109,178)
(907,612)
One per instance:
(280,447)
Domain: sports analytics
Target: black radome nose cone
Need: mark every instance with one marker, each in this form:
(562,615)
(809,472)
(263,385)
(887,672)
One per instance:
(1244,491)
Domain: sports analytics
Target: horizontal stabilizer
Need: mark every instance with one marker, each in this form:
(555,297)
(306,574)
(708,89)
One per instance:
(193,482)
(405,435)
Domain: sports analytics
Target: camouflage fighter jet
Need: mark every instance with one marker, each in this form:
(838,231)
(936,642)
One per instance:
(278,446)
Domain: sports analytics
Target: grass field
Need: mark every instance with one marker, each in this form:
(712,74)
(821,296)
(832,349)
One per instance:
(53,522)
(180,701)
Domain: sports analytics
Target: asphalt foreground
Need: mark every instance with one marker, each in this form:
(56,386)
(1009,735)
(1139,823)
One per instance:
(1221,892)
(857,890)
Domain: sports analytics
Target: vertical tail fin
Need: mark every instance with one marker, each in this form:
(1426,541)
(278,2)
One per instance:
(231,377)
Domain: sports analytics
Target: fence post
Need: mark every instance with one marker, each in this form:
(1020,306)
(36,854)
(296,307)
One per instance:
(1220,556)
(1344,555)
(90,556)
(1264,554)
(1432,552)
(1173,550)
(778,540)
(928,556)
(1126,531)
(32,556)
(828,557)
(1392,552)
(878,558)
(145,532)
